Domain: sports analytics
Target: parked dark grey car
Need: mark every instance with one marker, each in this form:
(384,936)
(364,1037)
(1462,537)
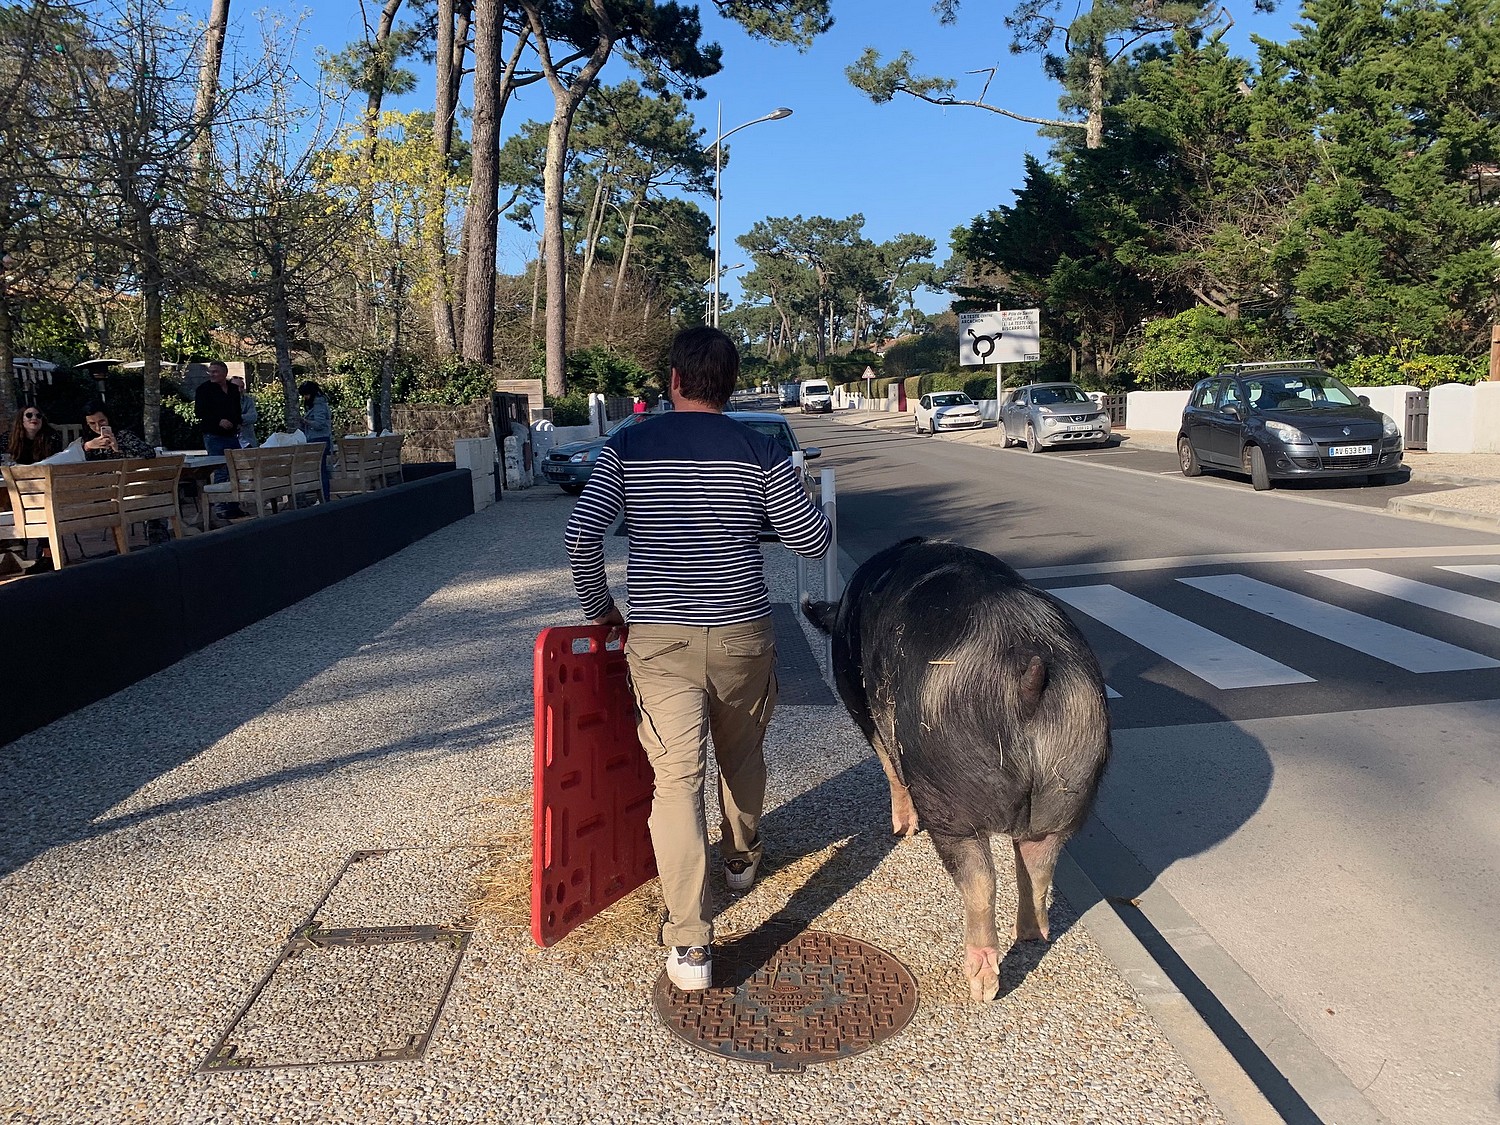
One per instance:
(1283,421)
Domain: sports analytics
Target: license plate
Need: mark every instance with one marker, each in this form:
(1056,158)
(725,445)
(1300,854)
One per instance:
(1350,450)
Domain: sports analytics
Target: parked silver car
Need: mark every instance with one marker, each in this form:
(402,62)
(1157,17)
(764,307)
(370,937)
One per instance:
(1044,415)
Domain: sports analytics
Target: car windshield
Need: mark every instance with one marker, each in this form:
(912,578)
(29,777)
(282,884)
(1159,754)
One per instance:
(952,398)
(1048,396)
(780,431)
(1298,392)
(628,420)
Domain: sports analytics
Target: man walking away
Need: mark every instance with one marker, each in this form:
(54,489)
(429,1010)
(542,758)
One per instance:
(695,488)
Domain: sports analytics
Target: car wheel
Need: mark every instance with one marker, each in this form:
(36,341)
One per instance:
(1188,458)
(1032,444)
(571,489)
(1255,465)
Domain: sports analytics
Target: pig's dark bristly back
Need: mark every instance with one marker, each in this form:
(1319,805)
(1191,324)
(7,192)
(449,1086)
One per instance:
(998,703)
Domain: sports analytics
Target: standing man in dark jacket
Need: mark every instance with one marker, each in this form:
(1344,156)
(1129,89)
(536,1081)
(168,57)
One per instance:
(696,487)
(217,404)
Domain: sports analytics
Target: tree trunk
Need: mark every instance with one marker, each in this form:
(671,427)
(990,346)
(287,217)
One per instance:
(281,340)
(1095,132)
(374,98)
(565,99)
(492,86)
(614,304)
(392,352)
(7,361)
(444,105)
(536,288)
(205,101)
(592,230)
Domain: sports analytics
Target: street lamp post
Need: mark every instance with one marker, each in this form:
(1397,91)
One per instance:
(719,139)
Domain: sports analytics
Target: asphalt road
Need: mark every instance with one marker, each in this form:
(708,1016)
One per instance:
(1300,818)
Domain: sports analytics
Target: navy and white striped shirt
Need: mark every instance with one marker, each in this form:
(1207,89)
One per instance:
(695,488)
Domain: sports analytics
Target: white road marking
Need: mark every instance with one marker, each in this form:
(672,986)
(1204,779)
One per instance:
(1467,606)
(1378,639)
(1248,558)
(1212,658)
(1488,573)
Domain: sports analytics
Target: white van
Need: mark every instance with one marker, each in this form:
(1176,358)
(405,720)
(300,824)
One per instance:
(817,397)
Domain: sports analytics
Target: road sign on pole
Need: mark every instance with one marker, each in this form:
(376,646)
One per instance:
(869,383)
(1002,336)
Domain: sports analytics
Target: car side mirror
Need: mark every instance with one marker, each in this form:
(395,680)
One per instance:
(1364,400)
(1234,410)
(811,452)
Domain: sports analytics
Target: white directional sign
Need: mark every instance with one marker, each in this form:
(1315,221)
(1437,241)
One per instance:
(1002,336)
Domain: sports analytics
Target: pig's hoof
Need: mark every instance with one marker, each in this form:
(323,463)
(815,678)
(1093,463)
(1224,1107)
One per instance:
(982,968)
(905,825)
(1032,932)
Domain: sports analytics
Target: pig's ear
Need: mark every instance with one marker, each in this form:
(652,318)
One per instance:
(1033,683)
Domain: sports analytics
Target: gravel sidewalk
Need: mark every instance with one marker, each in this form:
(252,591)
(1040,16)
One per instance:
(160,847)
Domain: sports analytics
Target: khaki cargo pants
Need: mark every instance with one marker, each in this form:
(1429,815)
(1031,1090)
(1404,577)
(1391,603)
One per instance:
(690,681)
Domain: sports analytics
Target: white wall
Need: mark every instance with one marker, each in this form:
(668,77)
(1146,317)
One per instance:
(1487,417)
(1464,419)
(1155,410)
(478,456)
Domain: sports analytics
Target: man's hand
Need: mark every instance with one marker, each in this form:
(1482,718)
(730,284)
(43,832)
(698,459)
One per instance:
(226,424)
(615,620)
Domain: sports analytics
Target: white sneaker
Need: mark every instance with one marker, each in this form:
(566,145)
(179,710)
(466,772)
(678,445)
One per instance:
(740,873)
(690,968)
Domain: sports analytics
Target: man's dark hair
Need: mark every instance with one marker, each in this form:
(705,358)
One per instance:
(94,406)
(707,365)
(309,388)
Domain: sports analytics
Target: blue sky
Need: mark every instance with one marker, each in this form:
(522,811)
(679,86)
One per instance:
(905,165)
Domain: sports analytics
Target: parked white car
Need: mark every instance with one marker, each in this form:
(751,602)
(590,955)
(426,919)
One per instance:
(947,410)
(817,397)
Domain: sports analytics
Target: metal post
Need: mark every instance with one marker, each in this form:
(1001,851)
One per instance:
(718,227)
(799,463)
(719,138)
(833,586)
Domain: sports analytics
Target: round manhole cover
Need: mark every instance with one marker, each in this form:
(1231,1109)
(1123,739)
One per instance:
(786,997)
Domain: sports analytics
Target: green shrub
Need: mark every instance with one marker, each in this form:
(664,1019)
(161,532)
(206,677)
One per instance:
(934,350)
(1407,365)
(604,372)
(912,385)
(1177,351)
(571,409)
(979,387)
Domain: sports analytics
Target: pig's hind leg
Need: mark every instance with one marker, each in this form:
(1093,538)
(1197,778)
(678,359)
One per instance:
(1035,861)
(969,861)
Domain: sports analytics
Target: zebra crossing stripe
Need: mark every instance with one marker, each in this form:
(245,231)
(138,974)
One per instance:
(1467,606)
(1488,573)
(1212,658)
(1374,638)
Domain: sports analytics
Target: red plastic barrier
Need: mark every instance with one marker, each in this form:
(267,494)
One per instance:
(591,785)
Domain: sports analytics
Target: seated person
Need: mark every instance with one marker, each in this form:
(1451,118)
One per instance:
(106,441)
(32,438)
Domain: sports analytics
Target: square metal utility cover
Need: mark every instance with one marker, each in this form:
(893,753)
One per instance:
(364,979)
(345,996)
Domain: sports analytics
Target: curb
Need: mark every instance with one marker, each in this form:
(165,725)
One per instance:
(1227,1084)
(1415,508)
